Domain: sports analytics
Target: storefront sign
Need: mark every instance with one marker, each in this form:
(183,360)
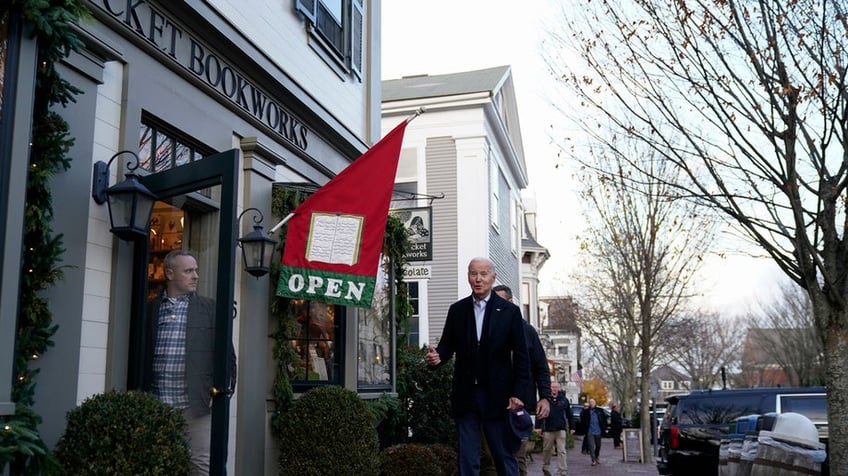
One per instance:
(418,224)
(202,61)
(422,271)
(632,445)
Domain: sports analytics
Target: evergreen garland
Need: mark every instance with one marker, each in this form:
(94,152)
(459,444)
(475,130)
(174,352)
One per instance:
(283,201)
(395,245)
(21,447)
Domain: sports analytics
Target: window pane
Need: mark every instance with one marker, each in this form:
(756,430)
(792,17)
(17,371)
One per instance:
(144,143)
(182,155)
(145,137)
(330,28)
(718,410)
(164,152)
(316,342)
(414,337)
(334,7)
(375,335)
(813,407)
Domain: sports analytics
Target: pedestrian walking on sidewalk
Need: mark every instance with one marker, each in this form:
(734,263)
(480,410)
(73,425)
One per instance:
(616,425)
(593,423)
(553,430)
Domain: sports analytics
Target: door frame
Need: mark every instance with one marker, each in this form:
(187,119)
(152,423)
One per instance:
(218,169)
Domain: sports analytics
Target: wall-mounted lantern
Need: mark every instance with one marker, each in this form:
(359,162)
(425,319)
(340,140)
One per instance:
(130,202)
(257,247)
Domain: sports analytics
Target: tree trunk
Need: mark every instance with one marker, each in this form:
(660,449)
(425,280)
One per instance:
(645,367)
(836,362)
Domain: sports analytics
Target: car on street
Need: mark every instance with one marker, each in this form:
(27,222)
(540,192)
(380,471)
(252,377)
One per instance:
(576,408)
(695,422)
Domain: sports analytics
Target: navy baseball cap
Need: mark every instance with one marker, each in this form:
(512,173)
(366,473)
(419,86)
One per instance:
(520,423)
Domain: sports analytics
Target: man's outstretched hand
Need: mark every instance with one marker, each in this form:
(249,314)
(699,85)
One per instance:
(543,408)
(432,358)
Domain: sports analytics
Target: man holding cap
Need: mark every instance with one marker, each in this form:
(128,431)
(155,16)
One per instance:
(491,373)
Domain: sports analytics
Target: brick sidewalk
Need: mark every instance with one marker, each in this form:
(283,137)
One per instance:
(612,463)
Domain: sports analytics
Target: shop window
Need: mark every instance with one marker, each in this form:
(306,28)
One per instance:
(375,327)
(317,341)
(336,26)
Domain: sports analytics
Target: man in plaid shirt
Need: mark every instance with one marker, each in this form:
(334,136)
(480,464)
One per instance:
(179,349)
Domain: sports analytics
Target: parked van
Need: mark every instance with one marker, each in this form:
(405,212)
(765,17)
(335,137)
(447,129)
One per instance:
(695,423)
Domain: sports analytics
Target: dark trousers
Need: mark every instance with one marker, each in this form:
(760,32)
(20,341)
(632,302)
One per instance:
(498,436)
(616,438)
(594,446)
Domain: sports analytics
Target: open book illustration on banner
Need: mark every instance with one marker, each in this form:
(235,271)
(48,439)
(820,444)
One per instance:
(334,238)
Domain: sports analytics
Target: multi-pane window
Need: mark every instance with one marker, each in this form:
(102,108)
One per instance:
(160,149)
(337,27)
(316,342)
(667,384)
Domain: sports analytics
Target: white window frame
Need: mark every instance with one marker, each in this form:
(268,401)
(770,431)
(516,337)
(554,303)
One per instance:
(515,225)
(494,193)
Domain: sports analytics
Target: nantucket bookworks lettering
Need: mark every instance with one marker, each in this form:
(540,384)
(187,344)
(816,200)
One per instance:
(167,36)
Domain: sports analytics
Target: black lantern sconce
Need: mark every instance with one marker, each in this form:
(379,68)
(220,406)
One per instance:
(130,202)
(257,247)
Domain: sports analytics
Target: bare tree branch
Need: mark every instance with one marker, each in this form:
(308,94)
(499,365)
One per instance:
(749,101)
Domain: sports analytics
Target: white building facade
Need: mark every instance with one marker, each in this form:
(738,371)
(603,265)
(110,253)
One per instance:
(220,100)
(463,159)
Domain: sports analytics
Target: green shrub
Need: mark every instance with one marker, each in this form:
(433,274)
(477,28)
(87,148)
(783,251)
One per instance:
(328,431)
(426,394)
(119,433)
(410,459)
(390,418)
(446,455)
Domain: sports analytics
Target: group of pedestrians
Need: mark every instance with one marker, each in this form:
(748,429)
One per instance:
(499,369)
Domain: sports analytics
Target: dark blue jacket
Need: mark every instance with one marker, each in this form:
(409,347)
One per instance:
(585,416)
(500,361)
(539,369)
(559,417)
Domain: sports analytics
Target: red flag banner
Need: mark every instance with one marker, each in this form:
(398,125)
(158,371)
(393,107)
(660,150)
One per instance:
(335,236)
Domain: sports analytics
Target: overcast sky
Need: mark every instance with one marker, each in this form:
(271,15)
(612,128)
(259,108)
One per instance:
(440,36)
